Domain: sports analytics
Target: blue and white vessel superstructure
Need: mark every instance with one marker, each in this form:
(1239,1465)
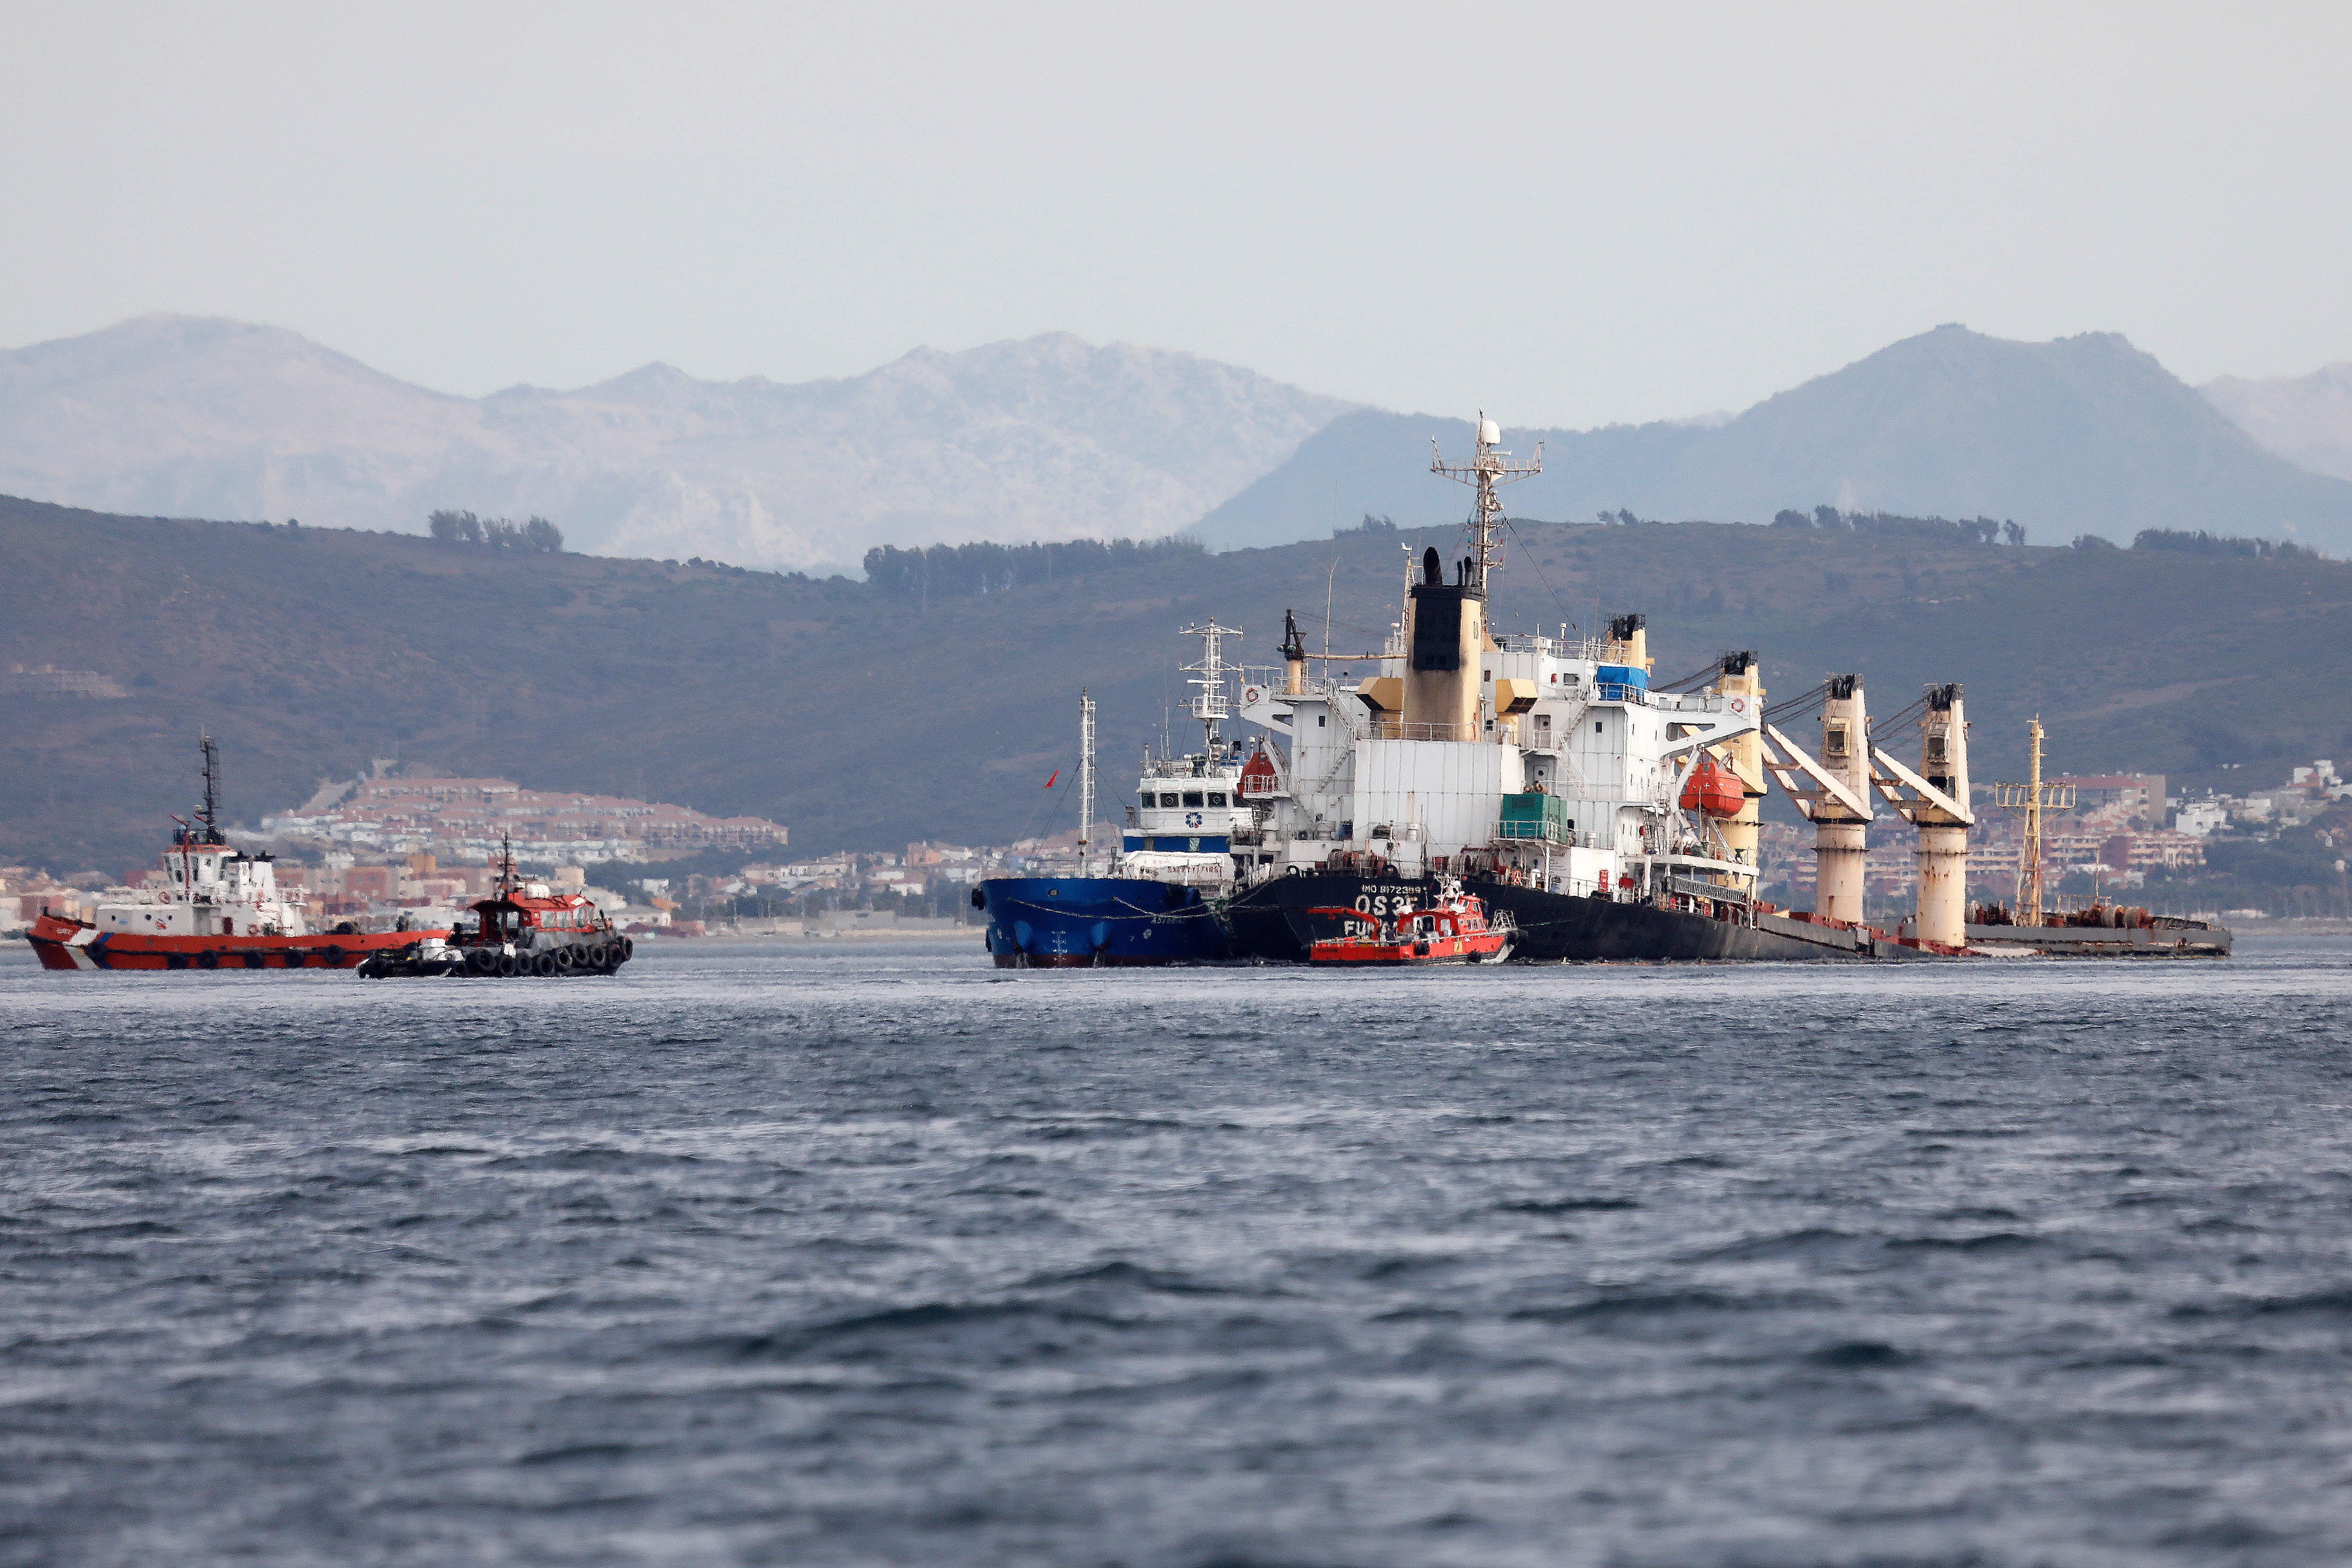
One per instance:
(1157,902)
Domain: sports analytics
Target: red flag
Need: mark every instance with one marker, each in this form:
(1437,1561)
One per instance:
(1049,783)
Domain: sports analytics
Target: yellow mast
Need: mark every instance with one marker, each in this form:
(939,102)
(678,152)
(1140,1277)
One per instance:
(2029,857)
(2032,797)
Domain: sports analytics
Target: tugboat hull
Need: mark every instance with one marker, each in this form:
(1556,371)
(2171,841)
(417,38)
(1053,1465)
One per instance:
(62,944)
(1071,922)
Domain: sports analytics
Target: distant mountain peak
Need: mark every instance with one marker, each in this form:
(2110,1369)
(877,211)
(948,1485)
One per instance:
(2305,418)
(2082,433)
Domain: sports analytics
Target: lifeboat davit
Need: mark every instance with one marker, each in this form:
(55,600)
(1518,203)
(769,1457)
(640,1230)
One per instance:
(1712,790)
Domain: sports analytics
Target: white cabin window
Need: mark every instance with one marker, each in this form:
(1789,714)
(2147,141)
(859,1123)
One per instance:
(1320,720)
(1216,796)
(1166,799)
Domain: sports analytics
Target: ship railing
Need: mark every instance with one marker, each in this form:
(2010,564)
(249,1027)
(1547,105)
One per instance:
(1397,729)
(1186,876)
(1620,692)
(1544,832)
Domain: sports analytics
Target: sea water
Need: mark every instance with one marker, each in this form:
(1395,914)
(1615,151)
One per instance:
(826,1254)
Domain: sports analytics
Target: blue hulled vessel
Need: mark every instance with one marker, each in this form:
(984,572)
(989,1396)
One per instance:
(1158,901)
(1078,922)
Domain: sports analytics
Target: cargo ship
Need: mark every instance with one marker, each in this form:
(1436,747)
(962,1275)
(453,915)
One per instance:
(1606,815)
(216,908)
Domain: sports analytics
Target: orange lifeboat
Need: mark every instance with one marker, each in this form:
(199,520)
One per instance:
(1712,790)
(1258,775)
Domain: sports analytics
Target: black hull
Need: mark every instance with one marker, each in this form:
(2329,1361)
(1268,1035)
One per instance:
(1271,922)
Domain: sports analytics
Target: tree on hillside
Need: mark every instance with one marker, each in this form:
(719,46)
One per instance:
(2197,541)
(537,535)
(985,568)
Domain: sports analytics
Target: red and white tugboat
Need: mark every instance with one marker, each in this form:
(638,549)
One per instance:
(218,909)
(524,928)
(1453,929)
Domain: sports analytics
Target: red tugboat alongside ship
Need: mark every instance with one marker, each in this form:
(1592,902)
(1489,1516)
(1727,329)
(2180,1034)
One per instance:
(1453,929)
(219,909)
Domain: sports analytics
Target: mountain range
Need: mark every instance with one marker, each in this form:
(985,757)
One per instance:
(2083,434)
(1051,437)
(1045,438)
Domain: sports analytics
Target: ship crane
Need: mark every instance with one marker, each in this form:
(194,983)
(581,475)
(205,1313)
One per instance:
(1832,792)
(1937,804)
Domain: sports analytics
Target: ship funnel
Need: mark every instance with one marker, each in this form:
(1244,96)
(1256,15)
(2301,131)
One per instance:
(1293,657)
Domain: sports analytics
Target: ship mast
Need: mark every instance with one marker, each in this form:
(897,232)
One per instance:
(1212,704)
(505,866)
(1486,469)
(209,813)
(2031,799)
(1086,782)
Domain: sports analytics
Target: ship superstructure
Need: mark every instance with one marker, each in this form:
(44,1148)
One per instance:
(1548,764)
(215,907)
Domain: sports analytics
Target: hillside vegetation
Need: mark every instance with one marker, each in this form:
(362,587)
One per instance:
(862,718)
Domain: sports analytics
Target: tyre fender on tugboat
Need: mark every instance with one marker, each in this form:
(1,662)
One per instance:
(334,956)
(208,959)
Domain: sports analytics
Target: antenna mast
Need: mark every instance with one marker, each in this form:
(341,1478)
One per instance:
(1086,782)
(1486,469)
(1212,704)
(210,814)
(2031,799)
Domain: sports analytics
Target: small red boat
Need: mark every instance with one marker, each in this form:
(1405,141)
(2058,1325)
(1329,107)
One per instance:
(1453,929)
(217,909)
(524,928)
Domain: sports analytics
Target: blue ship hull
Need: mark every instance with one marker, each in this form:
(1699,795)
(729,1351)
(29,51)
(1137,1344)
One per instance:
(1071,922)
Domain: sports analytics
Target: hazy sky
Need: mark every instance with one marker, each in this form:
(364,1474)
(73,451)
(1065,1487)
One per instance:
(1565,214)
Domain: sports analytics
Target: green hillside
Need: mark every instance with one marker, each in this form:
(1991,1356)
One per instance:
(863,718)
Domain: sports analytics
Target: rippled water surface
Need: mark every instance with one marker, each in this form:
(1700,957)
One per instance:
(880,1256)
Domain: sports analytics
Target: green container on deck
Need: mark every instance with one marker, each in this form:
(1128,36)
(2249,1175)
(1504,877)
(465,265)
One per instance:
(1535,815)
